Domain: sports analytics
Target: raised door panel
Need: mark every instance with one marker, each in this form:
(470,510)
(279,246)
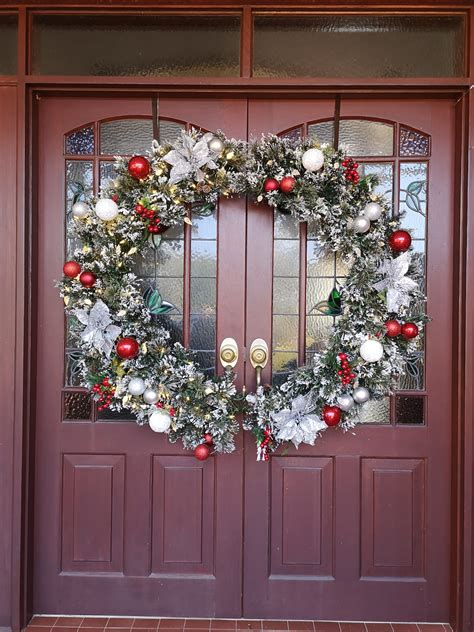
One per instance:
(183,501)
(92,513)
(393,518)
(302,517)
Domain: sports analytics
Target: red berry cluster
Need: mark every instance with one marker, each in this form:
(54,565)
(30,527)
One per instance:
(264,443)
(149,215)
(350,170)
(171,410)
(345,372)
(106,391)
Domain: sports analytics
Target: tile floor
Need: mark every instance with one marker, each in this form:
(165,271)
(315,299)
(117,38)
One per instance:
(117,624)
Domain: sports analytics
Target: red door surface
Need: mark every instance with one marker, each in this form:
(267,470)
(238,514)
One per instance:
(125,521)
(356,527)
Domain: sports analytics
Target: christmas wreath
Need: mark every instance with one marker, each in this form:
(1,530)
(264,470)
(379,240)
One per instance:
(128,360)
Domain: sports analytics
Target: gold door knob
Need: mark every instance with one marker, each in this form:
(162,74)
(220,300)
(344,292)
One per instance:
(229,353)
(259,357)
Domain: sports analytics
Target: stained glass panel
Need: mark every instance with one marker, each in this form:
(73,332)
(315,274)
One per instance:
(413,143)
(80,142)
(77,406)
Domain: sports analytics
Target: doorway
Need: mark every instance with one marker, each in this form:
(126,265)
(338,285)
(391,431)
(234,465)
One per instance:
(355,528)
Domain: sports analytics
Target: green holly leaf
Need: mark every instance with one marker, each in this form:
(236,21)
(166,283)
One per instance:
(155,303)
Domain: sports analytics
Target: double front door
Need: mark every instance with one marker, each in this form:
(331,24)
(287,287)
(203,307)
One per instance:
(356,527)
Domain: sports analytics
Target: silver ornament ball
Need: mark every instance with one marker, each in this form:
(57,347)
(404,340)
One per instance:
(136,386)
(361,395)
(371,350)
(360,224)
(373,211)
(106,209)
(159,421)
(216,145)
(80,209)
(345,402)
(150,396)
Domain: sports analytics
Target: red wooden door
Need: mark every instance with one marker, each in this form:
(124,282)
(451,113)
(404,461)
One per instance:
(125,522)
(358,526)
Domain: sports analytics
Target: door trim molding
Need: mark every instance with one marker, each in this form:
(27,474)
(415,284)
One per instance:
(463,404)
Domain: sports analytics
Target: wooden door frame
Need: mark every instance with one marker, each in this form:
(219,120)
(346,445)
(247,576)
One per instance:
(463,399)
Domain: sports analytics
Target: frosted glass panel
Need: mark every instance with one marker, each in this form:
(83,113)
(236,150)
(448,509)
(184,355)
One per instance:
(147,45)
(322,132)
(358,46)
(375,411)
(8,44)
(366,138)
(124,137)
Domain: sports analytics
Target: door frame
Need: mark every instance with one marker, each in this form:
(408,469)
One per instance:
(463,377)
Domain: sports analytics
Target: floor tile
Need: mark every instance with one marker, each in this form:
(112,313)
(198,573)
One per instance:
(171,623)
(301,625)
(197,624)
(405,627)
(38,628)
(69,622)
(120,622)
(223,624)
(62,628)
(47,622)
(249,624)
(146,624)
(352,627)
(94,622)
(275,625)
(326,626)
(431,627)
(378,627)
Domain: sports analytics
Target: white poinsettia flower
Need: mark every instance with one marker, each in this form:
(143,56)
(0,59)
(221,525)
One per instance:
(99,331)
(398,285)
(297,424)
(189,157)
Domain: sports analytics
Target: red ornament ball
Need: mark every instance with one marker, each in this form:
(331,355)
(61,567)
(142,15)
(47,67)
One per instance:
(138,167)
(202,452)
(71,269)
(332,415)
(208,438)
(399,241)
(127,348)
(271,184)
(409,330)
(87,278)
(287,184)
(392,328)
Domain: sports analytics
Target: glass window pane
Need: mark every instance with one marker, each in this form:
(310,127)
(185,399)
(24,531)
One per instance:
(148,45)
(203,333)
(384,173)
(375,411)
(322,132)
(80,142)
(318,331)
(285,333)
(413,142)
(413,189)
(366,138)
(283,363)
(8,44)
(378,45)
(285,295)
(77,405)
(204,258)
(409,410)
(125,137)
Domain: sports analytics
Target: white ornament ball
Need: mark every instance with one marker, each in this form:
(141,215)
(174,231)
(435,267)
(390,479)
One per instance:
(216,145)
(312,159)
(361,394)
(80,209)
(373,211)
(360,224)
(136,386)
(150,396)
(345,402)
(159,421)
(371,350)
(106,209)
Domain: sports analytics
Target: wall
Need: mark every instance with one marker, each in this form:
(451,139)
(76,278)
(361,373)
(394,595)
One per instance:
(8,219)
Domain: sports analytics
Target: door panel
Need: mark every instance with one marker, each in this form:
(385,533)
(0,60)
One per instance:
(357,527)
(127,523)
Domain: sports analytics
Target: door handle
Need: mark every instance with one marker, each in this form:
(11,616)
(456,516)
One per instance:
(259,357)
(229,353)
